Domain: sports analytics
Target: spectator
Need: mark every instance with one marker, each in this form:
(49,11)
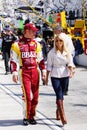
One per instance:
(78,49)
(68,39)
(44,49)
(8,39)
(42,42)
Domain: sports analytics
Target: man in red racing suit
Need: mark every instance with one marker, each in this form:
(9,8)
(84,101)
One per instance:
(29,55)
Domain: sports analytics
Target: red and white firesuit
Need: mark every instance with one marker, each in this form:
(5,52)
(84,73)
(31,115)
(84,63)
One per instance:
(29,55)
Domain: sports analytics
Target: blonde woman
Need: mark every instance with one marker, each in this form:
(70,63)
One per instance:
(60,66)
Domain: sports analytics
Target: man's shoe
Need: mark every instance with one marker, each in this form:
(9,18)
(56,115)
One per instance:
(44,83)
(6,73)
(25,121)
(66,93)
(33,121)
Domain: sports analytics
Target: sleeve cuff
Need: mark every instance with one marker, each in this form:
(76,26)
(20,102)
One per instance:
(15,73)
(44,70)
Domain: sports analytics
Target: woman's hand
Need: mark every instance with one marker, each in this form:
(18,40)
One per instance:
(72,74)
(71,71)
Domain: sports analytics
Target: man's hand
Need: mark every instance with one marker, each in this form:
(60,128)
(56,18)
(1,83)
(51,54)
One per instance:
(15,78)
(47,81)
(44,76)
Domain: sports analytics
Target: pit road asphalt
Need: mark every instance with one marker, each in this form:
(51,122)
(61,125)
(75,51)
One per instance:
(75,104)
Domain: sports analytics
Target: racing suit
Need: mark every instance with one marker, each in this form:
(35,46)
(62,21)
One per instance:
(29,54)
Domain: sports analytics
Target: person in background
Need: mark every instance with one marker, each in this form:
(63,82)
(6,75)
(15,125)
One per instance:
(69,43)
(68,40)
(0,44)
(2,36)
(60,67)
(8,39)
(78,49)
(50,43)
(29,55)
(42,42)
(20,36)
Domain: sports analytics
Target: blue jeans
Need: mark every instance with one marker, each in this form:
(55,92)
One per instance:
(59,86)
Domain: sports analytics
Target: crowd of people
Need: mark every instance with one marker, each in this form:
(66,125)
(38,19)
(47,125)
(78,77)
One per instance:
(27,54)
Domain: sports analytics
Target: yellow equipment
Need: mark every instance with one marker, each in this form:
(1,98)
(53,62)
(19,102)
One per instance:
(78,30)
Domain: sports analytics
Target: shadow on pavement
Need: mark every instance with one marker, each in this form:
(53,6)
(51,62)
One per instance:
(82,105)
(43,121)
(47,94)
(5,123)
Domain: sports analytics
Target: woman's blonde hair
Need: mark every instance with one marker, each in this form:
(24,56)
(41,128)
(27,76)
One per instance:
(61,36)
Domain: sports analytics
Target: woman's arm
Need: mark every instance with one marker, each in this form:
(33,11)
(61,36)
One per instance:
(71,66)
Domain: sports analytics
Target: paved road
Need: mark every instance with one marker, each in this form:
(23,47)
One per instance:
(75,104)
